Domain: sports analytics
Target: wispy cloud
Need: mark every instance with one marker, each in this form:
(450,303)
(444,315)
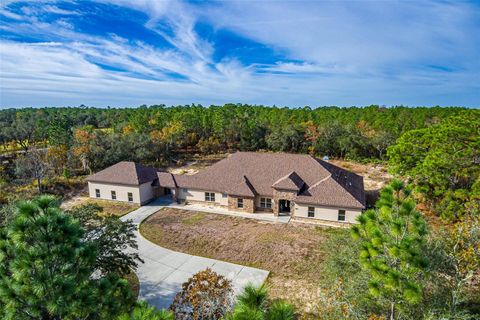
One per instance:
(326,53)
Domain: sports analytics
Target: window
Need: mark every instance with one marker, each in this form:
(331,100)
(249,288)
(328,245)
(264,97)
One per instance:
(97,193)
(311,212)
(130,197)
(341,215)
(184,190)
(266,203)
(224,195)
(209,196)
(114,195)
(239,203)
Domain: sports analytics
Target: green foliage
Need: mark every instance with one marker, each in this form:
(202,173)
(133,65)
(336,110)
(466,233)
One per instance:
(392,248)
(253,297)
(253,304)
(47,270)
(158,132)
(443,162)
(143,311)
(111,236)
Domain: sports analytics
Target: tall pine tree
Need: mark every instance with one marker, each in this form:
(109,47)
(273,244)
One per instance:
(48,272)
(392,242)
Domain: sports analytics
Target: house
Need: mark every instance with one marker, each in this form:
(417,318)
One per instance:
(284,184)
(125,181)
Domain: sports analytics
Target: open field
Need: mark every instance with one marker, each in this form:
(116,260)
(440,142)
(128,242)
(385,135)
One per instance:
(293,253)
(110,208)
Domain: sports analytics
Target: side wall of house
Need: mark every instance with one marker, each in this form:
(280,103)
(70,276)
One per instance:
(146,192)
(326,213)
(120,190)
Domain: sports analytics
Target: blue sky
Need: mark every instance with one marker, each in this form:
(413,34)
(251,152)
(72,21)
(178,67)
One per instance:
(287,53)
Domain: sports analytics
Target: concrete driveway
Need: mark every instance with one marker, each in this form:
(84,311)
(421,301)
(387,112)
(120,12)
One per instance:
(164,270)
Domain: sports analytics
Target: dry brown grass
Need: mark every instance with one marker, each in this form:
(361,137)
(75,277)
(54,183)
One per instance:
(292,253)
(110,207)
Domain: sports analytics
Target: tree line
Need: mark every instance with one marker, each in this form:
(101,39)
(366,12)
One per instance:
(338,132)
(437,148)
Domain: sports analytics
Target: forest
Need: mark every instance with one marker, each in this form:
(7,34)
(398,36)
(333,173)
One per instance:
(83,139)
(417,245)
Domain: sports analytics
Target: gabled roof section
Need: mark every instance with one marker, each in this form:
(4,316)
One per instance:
(166,180)
(243,188)
(291,181)
(125,172)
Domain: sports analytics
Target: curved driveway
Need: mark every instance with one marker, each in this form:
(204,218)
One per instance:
(163,272)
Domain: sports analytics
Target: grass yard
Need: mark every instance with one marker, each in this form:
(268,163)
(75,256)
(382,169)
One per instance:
(292,253)
(110,208)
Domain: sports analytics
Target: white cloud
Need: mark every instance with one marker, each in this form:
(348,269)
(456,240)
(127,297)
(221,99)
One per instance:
(351,53)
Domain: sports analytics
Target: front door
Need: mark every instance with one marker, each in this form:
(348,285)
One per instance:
(284,206)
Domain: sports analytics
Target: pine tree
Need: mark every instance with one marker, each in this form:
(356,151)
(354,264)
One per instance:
(48,272)
(392,242)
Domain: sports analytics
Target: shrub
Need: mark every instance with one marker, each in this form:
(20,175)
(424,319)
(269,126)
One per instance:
(206,295)
(143,311)
(253,304)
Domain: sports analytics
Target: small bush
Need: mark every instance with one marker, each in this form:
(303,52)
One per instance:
(207,295)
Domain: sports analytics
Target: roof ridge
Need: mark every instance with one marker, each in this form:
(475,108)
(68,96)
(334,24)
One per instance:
(285,176)
(320,181)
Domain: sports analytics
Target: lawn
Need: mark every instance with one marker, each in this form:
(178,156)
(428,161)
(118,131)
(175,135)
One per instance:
(110,207)
(292,253)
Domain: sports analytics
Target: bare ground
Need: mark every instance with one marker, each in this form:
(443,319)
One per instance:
(375,176)
(292,253)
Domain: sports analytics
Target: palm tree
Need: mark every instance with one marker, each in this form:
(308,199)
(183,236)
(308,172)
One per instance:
(253,304)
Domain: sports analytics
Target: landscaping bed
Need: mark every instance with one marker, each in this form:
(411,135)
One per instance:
(292,253)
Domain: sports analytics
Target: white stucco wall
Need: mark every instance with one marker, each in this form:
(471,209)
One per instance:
(326,213)
(199,195)
(141,194)
(146,192)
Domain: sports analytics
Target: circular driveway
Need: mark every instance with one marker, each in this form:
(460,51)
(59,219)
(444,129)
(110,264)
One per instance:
(164,271)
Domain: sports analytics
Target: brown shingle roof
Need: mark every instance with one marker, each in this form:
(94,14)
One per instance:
(291,181)
(247,173)
(166,179)
(125,172)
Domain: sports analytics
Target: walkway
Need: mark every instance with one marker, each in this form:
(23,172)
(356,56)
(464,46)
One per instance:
(270,217)
(163,272)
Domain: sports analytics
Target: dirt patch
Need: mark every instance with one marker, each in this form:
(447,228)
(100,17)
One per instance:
(196,163)
(375,176)
(292,253)
(110,208)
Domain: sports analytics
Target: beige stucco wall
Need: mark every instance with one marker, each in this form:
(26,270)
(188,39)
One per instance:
(141,194)
(199,195)
(326,213)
